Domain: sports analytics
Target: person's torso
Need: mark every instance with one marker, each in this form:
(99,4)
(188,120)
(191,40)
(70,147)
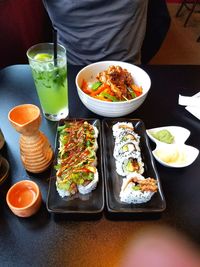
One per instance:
(94,30)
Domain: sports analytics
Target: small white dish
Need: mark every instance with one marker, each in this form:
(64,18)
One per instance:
(177,154)
(180,134)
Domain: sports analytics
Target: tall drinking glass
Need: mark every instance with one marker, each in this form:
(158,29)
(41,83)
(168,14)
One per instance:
(50,77)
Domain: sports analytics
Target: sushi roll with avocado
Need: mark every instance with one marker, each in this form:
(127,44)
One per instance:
(66,189)
(91,138)
(121,127)
(82,180)
(90,184)
(136,189)
(96,132)
(126,148)
(130,164)
(127,135)
(76,163)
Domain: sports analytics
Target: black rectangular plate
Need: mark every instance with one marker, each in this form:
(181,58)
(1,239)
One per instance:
(92,203)
(113,181)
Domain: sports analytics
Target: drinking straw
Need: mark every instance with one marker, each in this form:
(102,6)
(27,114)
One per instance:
(55,45)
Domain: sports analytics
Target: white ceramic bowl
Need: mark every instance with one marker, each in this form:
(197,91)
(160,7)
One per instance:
(177,154)
(112,109)
(179,133)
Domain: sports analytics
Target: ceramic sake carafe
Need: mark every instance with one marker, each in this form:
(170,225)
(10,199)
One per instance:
(36,152)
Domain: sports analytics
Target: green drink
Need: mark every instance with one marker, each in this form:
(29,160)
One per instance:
(50,79)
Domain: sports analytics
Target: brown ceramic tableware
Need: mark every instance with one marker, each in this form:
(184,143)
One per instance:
(36,152)
(24,198)
(4,169)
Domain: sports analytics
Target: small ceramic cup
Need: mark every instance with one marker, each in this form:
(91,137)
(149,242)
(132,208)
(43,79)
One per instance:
(24,198)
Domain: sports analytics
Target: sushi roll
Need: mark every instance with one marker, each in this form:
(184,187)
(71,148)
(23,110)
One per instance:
(91,138)
(136,189)
(121,127)
(77,160)
(127,135)
(130,164)
(66,189)
(89,185)
(82,180)
(96,132)
(126,148)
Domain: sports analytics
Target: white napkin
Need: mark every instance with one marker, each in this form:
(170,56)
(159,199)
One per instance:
(192,104)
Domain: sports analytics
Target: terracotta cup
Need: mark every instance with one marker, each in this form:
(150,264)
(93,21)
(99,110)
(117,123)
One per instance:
(24,198)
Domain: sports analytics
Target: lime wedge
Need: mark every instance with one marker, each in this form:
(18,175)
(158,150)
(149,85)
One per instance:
(43,57)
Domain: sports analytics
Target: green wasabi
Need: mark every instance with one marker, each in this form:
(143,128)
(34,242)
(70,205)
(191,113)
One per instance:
(164,136)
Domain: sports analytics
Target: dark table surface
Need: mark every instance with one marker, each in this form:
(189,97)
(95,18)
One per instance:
(56,240)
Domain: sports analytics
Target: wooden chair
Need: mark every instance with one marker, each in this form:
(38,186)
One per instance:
(190,6)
